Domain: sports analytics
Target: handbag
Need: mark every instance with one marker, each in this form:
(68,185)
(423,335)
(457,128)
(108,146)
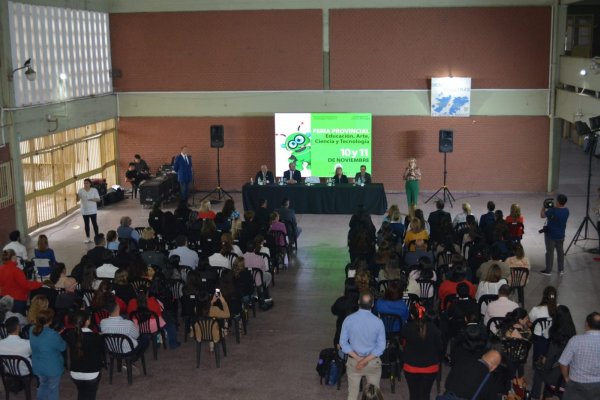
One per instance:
(452,396)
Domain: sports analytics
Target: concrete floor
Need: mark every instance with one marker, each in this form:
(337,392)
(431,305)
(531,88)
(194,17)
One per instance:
(277,358)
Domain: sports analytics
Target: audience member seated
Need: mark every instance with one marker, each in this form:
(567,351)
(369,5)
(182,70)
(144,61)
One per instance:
(221,258)
(127,234)
(214,307)
(415,233)
(122,287)
(171,227)
(344,306)
(6,306)
(264,176)
(392,303)
(262,216)
(463,306)
(117,324)
(470,232)
(106,270)
(144,303)
(187,256)
(518,261)
(242,280)
(249,230)
(292,176)
(47,290)
(339,176)
(13,345)
(436,220)
(288,216)
(361,236)
(448,287)
(148,240)
(501,307)
(490,283)
(152,256)
(470,341)
(38,303)
(424,224)
(516,324)
(254,259)
(99,253)
(112,243)
(182,214)
(424,271)
(412,257)
(89,280)
(44,251)
(58,275)
(155,218)
(205,211)
(13,282)
(66,299)
(515,223)
(461,218)
(278,226)
(391,271)
(484,268)
(488,220)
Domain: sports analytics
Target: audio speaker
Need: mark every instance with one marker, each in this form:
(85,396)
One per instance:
(217,139)
(446,141)
(595,123)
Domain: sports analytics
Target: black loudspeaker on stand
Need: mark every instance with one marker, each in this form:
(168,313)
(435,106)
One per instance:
(217,140)
(446,145)
(582,231)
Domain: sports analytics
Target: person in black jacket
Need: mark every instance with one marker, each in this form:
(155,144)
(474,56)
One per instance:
(436,219)
(476,370)
(264,176)
(344,306)
(86,350)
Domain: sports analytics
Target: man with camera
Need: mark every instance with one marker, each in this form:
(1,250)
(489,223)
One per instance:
(554,232)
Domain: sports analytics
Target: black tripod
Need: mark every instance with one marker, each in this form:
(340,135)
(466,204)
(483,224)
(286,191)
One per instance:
(443,188)
(218,190)
(587,220)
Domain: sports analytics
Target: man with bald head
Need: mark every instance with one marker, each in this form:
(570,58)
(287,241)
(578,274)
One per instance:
(477,371)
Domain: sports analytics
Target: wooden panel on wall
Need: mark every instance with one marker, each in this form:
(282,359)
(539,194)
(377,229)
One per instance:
(490,153)
(403,48)
(218,50)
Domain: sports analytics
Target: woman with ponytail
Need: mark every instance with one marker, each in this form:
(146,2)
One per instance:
(86,350)
(423,352)
(541,342)
(46,355)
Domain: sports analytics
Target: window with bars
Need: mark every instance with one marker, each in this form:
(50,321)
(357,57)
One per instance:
(6,185)
(69,50)
(54,167)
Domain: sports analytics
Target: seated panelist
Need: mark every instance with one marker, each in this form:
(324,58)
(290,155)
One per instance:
(363,176)
(339,176)
(291,175)
(265,176)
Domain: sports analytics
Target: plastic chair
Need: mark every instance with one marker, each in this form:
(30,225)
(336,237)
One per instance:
(138,283)
(427,286)
(41,267)
(496,323)
(392,324)
(145,327)
(543,323)
(205,326)
(3,331)
(281,248)
(292,235)
(11,369)
(116,347)
(516,351)
(271,269)
(518,281)
(486,299)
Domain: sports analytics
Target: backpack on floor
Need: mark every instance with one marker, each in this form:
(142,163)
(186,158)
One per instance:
(326,357)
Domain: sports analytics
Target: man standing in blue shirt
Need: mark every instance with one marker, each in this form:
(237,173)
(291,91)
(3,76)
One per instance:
(363,340)
(554,233)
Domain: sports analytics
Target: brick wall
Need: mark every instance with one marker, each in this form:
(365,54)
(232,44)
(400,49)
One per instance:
(490,153)
(220,50)
(505,47)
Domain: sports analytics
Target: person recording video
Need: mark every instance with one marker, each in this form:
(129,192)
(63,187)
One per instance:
(556,215)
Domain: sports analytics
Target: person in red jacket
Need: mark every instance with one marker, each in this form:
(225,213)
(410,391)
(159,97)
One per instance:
(448,287)
(13,282)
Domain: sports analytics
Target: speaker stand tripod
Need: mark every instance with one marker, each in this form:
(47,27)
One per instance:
(218,190)
(446,192)
(587,220)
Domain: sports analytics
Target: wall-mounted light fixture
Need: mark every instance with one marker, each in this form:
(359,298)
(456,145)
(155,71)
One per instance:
(29,72)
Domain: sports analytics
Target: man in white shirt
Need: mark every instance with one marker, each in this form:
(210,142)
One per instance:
(187,256)
(106,270)
(500,307)
(117,324)
(15,244)
(13,345)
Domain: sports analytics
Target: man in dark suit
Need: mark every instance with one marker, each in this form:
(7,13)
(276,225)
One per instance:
(288,216)
(291,175)
(99,254)
(363,176)
(265,176)
(488,219)
(436,219)
(183,167)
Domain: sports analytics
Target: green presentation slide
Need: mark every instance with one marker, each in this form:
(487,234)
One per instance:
(320,142)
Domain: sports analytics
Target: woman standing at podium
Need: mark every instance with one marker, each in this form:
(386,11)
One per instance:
(412,176)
